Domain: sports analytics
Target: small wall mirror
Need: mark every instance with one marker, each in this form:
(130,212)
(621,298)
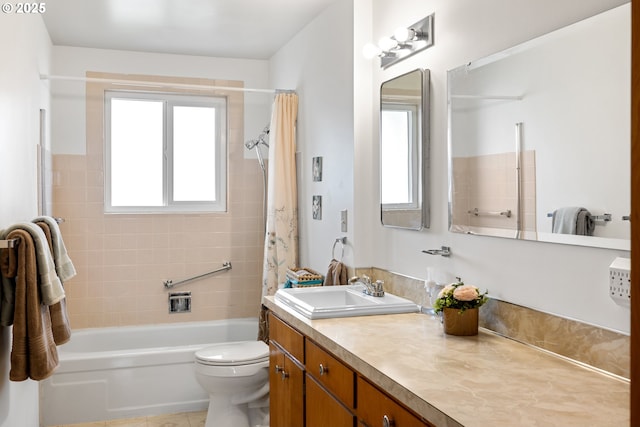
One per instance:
(404,151)
(542,129)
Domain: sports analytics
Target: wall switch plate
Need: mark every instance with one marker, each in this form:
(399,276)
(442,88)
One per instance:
(343,221)
(620,281)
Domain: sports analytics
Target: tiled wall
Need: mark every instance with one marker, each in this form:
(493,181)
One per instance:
(488,183)
(597,347)
(122,260)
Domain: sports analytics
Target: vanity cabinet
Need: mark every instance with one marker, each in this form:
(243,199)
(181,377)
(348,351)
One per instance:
(311,387)
(286,375)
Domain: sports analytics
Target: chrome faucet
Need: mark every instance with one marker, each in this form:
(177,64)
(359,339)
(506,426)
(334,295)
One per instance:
(374,289)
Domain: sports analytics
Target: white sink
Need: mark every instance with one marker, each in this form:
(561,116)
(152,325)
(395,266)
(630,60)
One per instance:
(323,302)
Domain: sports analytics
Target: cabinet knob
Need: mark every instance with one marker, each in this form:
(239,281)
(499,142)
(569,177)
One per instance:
(278,369)
(387,422)
(284,375)
(323,369)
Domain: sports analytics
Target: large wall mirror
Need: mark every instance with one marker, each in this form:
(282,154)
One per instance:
(539,137)
(404,151)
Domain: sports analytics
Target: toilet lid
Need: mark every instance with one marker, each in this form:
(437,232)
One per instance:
(233,353)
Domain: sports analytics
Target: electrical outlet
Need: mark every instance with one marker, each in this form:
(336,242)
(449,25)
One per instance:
(620,281)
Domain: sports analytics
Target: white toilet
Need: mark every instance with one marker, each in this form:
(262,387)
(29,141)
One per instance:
(236,376)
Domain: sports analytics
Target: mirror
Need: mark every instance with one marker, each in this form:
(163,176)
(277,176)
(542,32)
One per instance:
(541,129)
(404,151)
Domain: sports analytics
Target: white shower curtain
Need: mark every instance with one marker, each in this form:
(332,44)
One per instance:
(281,237)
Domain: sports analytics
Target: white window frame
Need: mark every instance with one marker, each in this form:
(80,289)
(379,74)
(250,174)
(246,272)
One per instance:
(169,101)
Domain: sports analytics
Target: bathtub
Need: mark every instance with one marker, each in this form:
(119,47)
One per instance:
(132,371)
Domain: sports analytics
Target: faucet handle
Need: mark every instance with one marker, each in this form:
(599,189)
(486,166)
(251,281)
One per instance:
(378,287)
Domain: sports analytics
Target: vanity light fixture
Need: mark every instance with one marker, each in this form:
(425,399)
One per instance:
(405,42)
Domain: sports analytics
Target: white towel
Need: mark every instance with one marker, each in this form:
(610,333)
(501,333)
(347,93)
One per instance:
(64,265)
(51,288)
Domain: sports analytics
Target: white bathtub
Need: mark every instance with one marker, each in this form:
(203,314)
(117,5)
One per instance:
(123,372)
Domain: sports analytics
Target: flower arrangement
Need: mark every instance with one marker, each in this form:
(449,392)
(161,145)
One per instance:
(460,296)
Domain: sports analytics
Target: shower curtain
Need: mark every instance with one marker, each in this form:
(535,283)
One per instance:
(281,236)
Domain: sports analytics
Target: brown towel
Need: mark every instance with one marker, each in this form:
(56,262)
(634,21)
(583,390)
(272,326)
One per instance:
(33,353)
(58,311)
(336,274)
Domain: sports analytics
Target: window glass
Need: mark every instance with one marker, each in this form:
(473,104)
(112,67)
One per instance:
(194,154)
(165,153)
(396,157)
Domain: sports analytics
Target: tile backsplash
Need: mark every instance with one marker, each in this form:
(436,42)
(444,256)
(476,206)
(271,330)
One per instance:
(597,347)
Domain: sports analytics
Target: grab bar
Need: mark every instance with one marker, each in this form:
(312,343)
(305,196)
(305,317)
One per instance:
(477,212)
(168,284)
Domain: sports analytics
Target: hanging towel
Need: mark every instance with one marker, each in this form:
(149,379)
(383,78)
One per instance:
(58,311)
(572,220)
(336,274)
(33,352)
(64,266)
(50,285)
(7,294)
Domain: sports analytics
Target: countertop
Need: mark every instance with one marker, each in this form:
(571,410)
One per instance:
(480,381)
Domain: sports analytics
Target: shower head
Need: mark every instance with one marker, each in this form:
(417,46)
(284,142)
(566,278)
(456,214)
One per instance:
(251,143)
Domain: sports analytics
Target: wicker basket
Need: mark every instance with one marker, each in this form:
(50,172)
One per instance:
(302,276)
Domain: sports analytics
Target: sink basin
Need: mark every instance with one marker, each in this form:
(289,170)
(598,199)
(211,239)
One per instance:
(341,301)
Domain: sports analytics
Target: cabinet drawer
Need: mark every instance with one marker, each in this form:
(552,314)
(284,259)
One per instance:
(287,337)
(331,373)
(376,409)
(323,410)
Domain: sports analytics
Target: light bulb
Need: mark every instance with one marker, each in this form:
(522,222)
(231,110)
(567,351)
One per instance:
(370,51)
(403,34)
(387,43)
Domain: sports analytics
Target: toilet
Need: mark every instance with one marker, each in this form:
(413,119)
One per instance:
(236,376)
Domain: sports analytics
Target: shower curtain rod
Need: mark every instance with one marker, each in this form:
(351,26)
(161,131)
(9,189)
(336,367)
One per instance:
(161,84)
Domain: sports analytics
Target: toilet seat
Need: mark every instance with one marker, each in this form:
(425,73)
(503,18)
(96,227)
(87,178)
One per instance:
(233,353)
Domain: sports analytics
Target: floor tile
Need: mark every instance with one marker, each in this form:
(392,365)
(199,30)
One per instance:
(172,420)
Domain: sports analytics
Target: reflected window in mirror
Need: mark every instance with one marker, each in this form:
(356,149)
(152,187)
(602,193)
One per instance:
(404,147)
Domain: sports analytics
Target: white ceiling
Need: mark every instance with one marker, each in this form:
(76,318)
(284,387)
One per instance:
(253,29)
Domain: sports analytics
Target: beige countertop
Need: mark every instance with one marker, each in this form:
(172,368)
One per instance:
(485,380)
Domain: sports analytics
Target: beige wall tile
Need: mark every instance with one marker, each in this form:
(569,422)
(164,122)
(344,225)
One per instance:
(124,259)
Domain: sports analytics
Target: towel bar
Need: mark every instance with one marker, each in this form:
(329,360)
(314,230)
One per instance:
(343,241)
(169,283)
(604,217)
(7,244)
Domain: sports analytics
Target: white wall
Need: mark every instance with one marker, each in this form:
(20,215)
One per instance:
(318,64)
(566,280)
(24,53)
(68,97)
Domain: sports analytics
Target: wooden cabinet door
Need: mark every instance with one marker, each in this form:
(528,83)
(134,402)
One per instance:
(376,409)
(286,390)
(334,375)
(323,410)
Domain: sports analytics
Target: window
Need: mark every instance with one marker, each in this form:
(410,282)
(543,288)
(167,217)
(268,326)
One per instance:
(164,153)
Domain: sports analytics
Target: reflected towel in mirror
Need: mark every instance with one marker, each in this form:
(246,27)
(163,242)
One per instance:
(573,220)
